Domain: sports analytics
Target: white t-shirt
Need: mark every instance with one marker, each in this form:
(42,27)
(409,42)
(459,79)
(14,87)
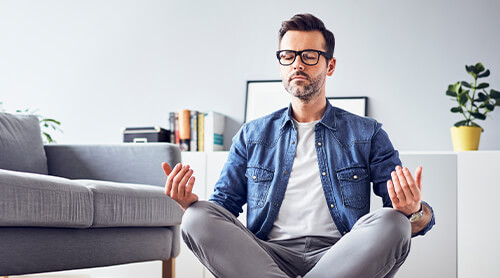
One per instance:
(304,211)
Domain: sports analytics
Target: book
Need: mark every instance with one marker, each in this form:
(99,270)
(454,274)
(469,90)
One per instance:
(171,126)
(176,131)
(194,131)
(184,129)
(201,132)
(214,131)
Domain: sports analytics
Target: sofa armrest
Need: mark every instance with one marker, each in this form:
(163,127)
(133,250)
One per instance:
(125,162)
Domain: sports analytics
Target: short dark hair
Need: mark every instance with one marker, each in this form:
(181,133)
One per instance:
(308,22)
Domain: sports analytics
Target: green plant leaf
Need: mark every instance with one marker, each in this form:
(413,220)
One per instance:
(494,94)
(461,123)
(470,69)
(484,74)
(48,137)
(462,99)
(456,109)
(481,97)
(451,93)
(478,116)
(51,120)
(482,86)
(478,68)
(490,107)
(466,84)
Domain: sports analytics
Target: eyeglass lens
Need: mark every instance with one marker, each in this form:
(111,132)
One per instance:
(310,58)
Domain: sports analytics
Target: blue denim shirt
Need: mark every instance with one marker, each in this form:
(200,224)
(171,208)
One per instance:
(352,151)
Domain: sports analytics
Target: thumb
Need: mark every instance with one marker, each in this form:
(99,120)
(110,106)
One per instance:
(166,168)
(418,177)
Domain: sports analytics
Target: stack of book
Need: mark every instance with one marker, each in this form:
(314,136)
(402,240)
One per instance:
(197,131)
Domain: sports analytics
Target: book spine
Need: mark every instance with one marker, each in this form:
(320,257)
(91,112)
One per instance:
(194,131)
(171,126)
(176,131)
(208,132)
(214,131)
(201,132)
(184,129)
(219,128)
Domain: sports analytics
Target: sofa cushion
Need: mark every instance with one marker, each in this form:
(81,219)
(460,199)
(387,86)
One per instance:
(28,199)
(21,145)
(129,205)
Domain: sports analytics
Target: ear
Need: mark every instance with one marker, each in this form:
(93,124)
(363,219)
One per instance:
(331,66)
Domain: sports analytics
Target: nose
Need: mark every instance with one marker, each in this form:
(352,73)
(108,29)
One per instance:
(298,64)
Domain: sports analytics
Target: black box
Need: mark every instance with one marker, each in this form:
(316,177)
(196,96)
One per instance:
(146,134)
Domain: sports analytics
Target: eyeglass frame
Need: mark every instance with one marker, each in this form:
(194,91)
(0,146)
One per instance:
(299,53)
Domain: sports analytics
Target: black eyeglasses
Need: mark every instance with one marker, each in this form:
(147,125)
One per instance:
(309,57)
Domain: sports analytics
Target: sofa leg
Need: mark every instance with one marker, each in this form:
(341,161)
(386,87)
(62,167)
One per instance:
(168,268)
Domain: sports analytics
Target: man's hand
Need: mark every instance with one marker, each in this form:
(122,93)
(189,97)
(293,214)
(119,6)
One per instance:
(404,191)
(179,184)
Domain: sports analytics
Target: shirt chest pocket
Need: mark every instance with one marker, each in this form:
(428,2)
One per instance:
(354,186)
(259,181)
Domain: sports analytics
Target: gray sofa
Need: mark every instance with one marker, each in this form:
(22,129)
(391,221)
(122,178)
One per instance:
(78,206)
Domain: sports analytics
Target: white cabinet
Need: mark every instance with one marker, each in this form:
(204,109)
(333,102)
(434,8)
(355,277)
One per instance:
(478,208)
(471,175)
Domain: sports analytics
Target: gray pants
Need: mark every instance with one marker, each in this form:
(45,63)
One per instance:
(377,246)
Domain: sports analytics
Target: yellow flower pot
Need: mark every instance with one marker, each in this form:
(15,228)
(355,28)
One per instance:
(465,138)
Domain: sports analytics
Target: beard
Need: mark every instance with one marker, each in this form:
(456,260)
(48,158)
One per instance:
(305,93)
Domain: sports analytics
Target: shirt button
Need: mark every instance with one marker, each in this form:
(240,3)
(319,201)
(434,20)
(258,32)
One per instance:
(324,174)
(355,177)
(254,177)
(319,143)
(344,233)
(286,173)
(276,204)
(293,142)
(332,205)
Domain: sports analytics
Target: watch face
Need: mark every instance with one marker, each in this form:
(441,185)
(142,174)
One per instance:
(415,217)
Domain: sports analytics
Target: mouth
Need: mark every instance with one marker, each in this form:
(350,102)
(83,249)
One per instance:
(299,77)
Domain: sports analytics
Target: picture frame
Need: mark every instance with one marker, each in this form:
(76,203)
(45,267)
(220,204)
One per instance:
(266,96)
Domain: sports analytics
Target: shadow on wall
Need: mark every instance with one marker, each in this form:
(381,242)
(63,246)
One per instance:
(231,128)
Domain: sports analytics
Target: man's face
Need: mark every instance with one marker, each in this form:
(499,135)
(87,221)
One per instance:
(300,80)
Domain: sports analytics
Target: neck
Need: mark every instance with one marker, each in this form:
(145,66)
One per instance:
(310,111)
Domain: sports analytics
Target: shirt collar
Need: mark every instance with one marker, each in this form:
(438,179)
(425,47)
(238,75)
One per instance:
(328,119)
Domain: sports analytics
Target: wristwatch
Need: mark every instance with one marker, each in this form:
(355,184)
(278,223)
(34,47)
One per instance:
(415,217)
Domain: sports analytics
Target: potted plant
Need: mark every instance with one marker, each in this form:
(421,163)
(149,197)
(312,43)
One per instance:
(474,102)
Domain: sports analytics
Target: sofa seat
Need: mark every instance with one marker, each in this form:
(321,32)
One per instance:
(119,204)
(37,200)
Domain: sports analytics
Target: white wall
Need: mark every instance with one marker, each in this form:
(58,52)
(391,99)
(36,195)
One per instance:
(99,66)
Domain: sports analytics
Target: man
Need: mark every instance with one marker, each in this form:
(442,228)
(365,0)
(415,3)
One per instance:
(304,173)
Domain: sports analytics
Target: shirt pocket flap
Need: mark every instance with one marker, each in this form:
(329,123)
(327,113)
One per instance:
(259,174)
(354,174)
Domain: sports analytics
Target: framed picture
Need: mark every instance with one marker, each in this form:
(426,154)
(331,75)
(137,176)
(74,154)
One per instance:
(266,96)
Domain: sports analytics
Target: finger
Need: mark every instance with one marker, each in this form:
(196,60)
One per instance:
(412,186)
(392,194)
(190,185)
(418,177)
(166,168)
(183,183)
(170,179)
(397,187)
(176,184)
(405,186)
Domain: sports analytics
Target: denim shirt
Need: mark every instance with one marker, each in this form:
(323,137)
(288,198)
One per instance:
(353,152)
